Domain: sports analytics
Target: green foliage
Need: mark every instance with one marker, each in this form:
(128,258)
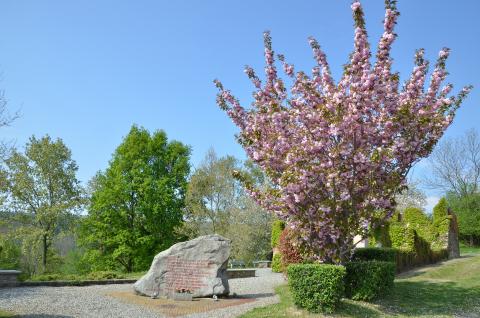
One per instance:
(374,254)
(74,262)
(440,217)
(417,220)
(212,194)
(415,238)
(42,185)
(277,263)
(381,235)
(137,202)
(367,280)
(402,237)
(316,287)
(277,227)
(216,202)
(10,253)
(467,209)
(100,275)
(45,277)
(103,275)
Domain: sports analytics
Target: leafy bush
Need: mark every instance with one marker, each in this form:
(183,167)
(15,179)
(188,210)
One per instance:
(367,280)
(102,275)
(277,227)
(45,277)
(9,253)
(289,252)
(277,263)
(316,287)
(384,254)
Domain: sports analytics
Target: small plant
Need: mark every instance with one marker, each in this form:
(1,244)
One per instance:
(316,287)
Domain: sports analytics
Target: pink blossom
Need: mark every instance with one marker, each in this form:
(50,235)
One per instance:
(336,153)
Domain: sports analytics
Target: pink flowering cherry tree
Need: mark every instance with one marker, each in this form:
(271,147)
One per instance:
(337,152)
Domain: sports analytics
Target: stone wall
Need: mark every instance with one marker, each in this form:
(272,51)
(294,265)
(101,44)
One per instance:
(9,278)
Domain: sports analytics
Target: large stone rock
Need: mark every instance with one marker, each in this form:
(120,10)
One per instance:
(199,265)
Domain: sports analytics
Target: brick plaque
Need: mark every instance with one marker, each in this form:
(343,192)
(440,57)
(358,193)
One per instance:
(186,274)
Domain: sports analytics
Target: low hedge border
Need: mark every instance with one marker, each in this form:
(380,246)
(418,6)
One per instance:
(374,254)
(404,259)
(368,280)
(316,287)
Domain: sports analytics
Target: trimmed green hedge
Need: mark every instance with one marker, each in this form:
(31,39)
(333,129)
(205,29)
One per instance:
(367,280)
(277,228)
(374,254)
(277,263)
(316,287)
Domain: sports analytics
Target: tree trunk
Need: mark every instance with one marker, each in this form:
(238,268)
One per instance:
(471,241)
(44,256)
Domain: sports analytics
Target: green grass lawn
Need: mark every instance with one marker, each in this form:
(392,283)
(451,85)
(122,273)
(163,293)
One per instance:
(464,250)
(6,314)
(444,290)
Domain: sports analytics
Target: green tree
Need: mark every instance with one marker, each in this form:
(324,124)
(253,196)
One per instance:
(212,195)
(137,202)
(43,192)
(467,208)
(217,203)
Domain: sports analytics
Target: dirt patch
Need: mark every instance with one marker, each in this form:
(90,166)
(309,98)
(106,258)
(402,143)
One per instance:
(172,308)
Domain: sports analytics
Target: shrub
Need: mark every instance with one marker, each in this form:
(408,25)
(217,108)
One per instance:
(45,277)
(290,253)
(367,280)
(9,253)
(277,263)
(374,254)
(277,227)
(316,287)
(102,275)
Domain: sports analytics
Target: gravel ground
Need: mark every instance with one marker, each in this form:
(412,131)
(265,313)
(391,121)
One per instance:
(91,301)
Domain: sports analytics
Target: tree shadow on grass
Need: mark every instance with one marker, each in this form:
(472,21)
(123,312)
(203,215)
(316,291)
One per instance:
(432,298)
(351,308)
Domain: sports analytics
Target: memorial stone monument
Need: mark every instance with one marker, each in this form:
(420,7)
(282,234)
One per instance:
(198,267)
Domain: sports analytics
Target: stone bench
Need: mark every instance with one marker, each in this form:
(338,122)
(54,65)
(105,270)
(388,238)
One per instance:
(240,273)
(9,278)
(261,264)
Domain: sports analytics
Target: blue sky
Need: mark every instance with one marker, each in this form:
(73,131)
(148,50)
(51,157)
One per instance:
(85,71)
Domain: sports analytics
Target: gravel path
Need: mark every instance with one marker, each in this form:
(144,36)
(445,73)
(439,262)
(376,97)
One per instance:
(91,301)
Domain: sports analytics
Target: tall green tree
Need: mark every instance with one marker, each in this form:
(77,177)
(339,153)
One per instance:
(137,203)
(43,191)
(467,208)
(216,202)
(212,195)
